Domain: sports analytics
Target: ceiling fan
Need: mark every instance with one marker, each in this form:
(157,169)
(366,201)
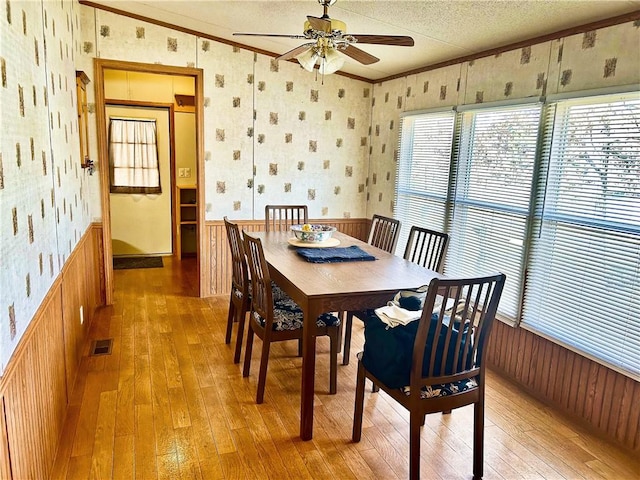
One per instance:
(328,36)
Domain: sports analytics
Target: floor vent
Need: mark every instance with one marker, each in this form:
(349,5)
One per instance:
(102,347)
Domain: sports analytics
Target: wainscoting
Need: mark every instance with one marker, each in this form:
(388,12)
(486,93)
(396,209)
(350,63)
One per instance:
(589,392)
(216,274)
(35,387)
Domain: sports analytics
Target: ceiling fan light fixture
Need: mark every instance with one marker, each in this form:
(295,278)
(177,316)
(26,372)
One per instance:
(324,35)
(308,59)
(332,62)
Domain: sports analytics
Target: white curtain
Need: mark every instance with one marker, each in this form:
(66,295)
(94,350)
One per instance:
(133,155)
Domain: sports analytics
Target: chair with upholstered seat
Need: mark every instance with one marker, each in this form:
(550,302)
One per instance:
(436,363)
(239,301)
(276,317)
(383,234)
(281,217)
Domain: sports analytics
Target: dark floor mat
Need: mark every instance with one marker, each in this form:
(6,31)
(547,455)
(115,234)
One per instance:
(123,263)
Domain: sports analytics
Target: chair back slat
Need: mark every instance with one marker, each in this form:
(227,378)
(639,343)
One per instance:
(453,334)
(261,293)
(280,217)
(384,233)
(426,248)
(239,272)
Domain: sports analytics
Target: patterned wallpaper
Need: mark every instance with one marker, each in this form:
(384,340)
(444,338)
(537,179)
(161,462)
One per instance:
(265,137)
(43,208)
(311,141)
(273,133)
(601,58)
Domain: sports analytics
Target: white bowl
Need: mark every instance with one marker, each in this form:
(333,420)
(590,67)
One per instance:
(313,233)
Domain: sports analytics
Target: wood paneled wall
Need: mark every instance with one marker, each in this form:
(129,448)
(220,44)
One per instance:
(586,390)
(33,390)
(216,275)
(5,468)
(35,396)
(81,283)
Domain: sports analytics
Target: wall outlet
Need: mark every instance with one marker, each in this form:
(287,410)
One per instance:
(181,172)
(81,315)
(187,172)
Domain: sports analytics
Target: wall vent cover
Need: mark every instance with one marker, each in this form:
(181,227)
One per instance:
(102,347)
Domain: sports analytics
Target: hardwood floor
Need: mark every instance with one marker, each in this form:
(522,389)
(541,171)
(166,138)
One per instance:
(169,402)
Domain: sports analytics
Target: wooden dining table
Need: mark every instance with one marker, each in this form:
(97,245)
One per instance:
(333,287)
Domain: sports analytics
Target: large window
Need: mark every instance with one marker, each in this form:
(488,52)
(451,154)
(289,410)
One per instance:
(494,172)
(423,174)
(548,194)
(584,279)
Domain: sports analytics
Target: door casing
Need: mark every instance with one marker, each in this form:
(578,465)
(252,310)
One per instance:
(100,65)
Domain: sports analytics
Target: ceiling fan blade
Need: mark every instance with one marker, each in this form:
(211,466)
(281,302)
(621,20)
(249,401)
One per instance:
(270,35)
(398,40)
(322,24)
(295,52)
(359,55)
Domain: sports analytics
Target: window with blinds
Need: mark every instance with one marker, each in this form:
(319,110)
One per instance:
(584,277)
(494,172)
(423,172)
(547,194)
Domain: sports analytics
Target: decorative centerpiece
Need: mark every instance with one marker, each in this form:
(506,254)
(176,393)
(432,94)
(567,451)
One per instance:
(309,233)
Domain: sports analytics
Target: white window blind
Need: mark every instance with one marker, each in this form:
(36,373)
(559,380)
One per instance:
(493,183)
(423,172)
(584,278)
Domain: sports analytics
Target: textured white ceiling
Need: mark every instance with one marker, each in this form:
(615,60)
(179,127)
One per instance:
(442,29)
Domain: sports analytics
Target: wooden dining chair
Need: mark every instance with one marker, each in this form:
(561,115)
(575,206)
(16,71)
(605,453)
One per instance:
(276,317)
(240,299)
(280,217)
(383,234)
(427,248)
(443,368)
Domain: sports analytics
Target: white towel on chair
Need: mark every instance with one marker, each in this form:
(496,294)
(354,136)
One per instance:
(393,315)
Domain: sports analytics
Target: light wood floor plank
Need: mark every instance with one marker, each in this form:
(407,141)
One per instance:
(201,365)
(168,467)
(142,380)
(125,418)
(79,467)
(65,445)
(162,416)
(170,403)
(103,446)
(284,443)
(220,428)
(123,457)
(146,459)
(86,425)
(187,455)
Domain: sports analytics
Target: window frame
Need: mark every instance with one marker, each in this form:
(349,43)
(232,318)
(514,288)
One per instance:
(546,132)
(554,219)
(405,154)
(134,189)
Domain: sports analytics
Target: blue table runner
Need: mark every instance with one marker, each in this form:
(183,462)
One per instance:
(337,254)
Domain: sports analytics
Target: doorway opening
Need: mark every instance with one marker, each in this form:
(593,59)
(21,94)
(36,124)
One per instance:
(141,90)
